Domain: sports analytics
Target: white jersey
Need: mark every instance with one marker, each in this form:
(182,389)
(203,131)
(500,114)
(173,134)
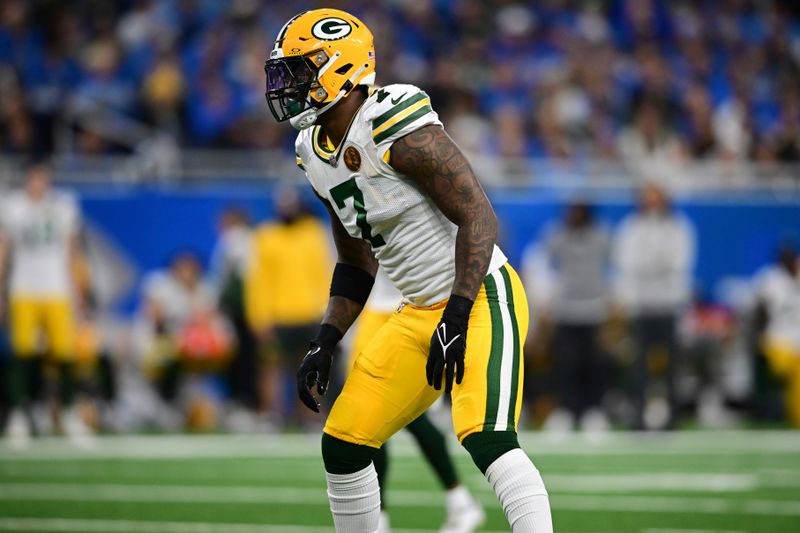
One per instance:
(39,233)
(177,302)
(412,239)
(780,292)
(384,297)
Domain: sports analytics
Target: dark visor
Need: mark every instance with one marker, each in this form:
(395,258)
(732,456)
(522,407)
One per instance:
(289,80)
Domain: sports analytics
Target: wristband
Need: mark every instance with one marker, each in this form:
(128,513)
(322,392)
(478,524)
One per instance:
(352,283)
(328,336)
(457,309)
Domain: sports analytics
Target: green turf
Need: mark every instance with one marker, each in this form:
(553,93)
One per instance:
(694,482)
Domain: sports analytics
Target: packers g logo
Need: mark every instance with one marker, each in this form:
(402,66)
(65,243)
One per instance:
(331,29)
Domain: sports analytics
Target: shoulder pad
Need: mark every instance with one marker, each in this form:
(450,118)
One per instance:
(397,110)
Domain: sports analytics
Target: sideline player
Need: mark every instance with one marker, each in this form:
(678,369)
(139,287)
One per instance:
(401,193)
(39,244)
(464,513)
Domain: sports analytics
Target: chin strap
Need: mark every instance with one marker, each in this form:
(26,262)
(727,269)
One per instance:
(307,118)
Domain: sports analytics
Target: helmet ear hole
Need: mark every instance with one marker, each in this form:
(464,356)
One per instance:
(344,69)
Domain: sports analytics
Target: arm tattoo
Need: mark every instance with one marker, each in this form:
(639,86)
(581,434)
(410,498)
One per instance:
(342,312)
(430,158)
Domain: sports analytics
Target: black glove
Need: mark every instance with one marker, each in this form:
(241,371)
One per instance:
(316,366)
(448,344)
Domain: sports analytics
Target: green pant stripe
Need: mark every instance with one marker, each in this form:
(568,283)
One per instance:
(495,356)
(515,330)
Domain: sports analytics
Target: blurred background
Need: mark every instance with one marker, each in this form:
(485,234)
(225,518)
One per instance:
(643,157)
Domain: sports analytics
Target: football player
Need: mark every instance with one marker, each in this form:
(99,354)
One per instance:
(39,245)
(401,194)
(464,513)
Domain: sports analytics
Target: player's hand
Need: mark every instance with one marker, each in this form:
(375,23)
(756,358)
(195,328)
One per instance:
(449,344)
(315,368)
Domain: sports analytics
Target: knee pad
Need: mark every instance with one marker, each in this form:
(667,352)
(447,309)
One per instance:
(486,446)
(342,457)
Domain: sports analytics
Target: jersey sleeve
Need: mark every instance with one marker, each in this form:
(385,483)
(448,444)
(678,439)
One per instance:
(397,111)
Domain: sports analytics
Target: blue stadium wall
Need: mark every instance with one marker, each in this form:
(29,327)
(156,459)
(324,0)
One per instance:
(150,223)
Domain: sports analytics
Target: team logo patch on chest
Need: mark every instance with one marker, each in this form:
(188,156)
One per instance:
(352,159)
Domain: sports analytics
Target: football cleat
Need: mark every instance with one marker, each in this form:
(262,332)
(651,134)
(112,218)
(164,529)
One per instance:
(18,430)
(76,430)
(464,513)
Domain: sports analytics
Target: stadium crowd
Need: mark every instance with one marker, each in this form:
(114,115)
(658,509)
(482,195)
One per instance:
(640,80)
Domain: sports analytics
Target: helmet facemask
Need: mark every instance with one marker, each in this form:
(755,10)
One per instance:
(291,81)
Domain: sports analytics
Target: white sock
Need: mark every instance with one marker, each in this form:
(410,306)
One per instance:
(355,501)
(520,488)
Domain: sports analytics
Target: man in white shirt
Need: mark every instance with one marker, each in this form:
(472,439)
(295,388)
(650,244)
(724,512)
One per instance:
(654,255)
(38,250)
(172,298)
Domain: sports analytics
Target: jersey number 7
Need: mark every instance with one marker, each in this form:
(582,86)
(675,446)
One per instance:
(349,189)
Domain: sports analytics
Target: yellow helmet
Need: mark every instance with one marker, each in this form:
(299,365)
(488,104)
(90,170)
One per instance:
(319,57)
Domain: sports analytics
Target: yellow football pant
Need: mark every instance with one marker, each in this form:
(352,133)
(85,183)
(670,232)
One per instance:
(53,317)
(784,361)
(368,325)
(387,387)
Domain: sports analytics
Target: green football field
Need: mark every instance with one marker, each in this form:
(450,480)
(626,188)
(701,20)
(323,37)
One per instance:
(687,482)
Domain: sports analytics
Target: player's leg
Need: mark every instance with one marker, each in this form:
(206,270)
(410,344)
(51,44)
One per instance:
(784,362)
(59,325)
(487,403)
(434,447)
(464,513)
(382,394)
(23,324)
(369,323)
(381,462)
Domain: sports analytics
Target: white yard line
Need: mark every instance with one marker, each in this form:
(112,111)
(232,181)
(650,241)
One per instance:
(681,482)
(290,474)
(136,526)
(651,481)
(702,443)
(400,498)
(74,525)
(670,504)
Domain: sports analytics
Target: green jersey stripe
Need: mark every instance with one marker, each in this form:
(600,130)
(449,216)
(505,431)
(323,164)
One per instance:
(419,113)
(516,361)
(495,356)
(380,119)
